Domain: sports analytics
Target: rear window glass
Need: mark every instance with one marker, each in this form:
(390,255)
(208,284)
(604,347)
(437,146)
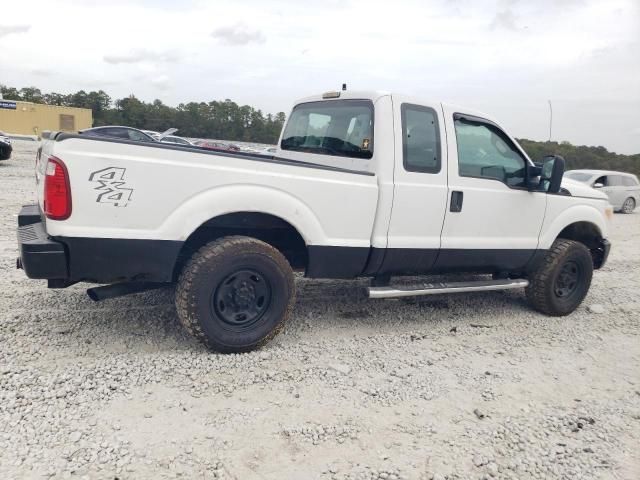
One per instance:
(578,176)
(342,128)
(630,181)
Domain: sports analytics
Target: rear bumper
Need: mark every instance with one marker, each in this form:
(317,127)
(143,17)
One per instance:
(40,256)
(66,260)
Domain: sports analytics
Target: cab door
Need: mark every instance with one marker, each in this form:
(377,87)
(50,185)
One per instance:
(492,220)
(420,188)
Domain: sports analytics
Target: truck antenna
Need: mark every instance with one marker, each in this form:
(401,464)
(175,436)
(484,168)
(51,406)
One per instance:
(550,118)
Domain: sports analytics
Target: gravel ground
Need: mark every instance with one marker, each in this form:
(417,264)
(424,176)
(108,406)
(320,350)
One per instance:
(450,387)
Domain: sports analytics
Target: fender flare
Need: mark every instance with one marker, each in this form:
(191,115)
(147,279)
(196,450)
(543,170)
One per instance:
(209,204)
(574,214)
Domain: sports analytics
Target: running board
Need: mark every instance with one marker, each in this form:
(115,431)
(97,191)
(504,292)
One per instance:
(452,287)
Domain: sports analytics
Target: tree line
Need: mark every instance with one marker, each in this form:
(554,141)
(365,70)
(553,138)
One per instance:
(215,119)
(581,156)
(229,121)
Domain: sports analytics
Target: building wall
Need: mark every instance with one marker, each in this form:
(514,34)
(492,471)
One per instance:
(34,118)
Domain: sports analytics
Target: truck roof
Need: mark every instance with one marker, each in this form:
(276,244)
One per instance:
(374,95)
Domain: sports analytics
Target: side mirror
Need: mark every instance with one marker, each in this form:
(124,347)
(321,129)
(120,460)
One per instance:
(598,185)
(551,174)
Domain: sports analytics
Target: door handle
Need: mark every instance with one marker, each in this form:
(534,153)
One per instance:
(456,201)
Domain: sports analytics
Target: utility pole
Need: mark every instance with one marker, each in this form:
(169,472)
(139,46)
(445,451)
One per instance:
(550,118)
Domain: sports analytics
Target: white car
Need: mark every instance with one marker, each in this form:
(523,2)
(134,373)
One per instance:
(623,189)
(362,184)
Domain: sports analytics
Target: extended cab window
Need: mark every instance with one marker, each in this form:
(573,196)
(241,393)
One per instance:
(420,139)
(484,151)
(342,128)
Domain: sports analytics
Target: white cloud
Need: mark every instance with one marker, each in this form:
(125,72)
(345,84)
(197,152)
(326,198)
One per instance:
(9,29)
(160,81)
(139,56)
(238,34)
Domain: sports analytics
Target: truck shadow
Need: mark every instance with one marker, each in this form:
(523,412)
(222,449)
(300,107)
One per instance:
(148,321)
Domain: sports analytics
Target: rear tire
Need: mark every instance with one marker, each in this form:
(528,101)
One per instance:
(235,294)
(562,281)
(629,205)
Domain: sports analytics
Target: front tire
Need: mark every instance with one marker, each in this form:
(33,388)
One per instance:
(562,281)
(235,294)
(629,205)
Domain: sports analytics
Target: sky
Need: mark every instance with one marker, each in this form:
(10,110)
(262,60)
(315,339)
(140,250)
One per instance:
(507,58)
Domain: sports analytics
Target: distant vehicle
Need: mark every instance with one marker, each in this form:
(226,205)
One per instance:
(176,140)
(126,133)
(5,147)
(622,188)
(218,146)
(152,133)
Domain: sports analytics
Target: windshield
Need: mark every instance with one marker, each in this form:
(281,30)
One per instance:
(342,128)
(578,176)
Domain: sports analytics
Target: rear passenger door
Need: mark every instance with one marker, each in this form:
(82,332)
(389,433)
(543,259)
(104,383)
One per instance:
(492,220)
(420,187)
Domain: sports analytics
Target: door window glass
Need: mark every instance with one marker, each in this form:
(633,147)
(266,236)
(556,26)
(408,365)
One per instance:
(629,181)
(115,132)
(484,151)
(137,136)
(604,181)
(420,139)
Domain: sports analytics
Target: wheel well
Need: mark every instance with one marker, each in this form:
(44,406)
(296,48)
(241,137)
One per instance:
(589,235)
(268,228)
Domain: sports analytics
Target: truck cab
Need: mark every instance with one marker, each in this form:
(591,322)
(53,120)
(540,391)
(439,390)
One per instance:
(455,191)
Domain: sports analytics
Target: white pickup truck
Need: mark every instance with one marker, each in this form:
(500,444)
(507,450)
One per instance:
(363,184)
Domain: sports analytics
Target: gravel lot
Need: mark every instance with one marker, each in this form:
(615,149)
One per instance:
(448,387)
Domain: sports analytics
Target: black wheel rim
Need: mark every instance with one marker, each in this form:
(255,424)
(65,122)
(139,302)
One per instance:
(242,298)
(568,279)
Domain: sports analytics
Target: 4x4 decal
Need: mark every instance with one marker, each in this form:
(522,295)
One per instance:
(110,182)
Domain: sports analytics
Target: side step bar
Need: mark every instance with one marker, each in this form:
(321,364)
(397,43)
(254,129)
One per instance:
(451,287)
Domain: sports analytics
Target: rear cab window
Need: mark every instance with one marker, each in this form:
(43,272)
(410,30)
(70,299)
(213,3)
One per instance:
(342,128)
(420,139)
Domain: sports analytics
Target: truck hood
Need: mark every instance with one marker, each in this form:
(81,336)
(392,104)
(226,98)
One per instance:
(579,189)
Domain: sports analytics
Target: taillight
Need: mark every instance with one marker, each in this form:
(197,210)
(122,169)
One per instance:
(57,193)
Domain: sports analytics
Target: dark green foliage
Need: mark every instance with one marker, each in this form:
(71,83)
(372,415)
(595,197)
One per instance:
(582,156)
(220,120)
(229,121)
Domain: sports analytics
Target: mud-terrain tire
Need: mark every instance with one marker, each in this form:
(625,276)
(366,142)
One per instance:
(628,206)
(235,294)
(562,280)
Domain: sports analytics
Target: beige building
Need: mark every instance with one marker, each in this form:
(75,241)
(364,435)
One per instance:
(27,118)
